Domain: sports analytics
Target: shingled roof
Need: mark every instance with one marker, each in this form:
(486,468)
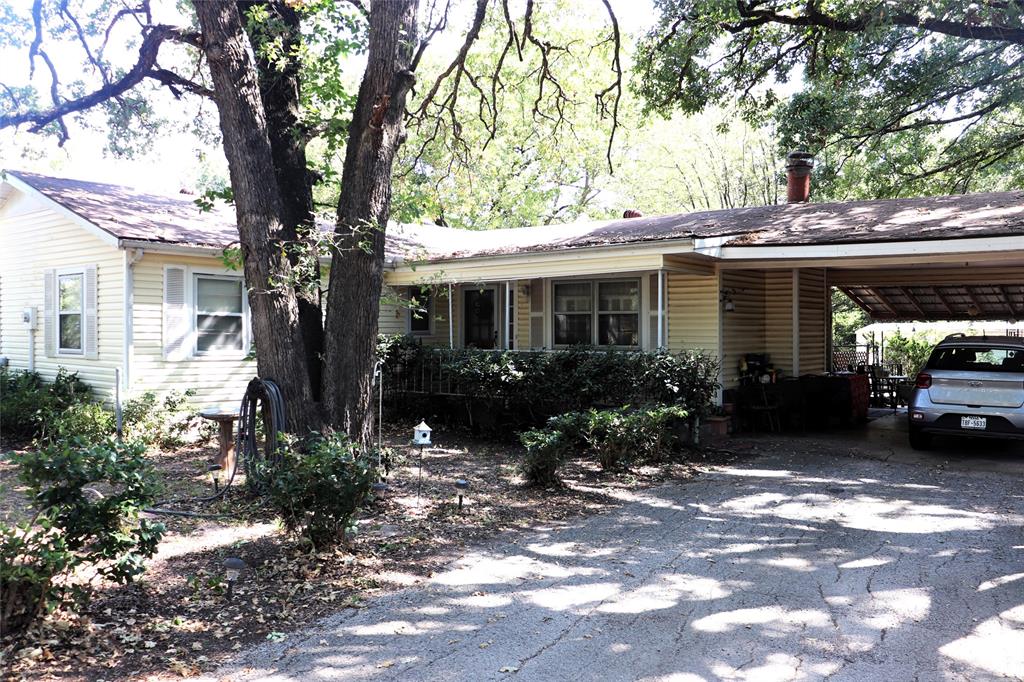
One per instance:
(132,215)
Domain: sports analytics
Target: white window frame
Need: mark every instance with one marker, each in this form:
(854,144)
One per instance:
(193,281)
(595,311)
(60,274)
(429,331)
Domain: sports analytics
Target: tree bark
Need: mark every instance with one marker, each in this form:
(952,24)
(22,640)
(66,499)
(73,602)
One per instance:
(280,92)
(353,300)
(280,349)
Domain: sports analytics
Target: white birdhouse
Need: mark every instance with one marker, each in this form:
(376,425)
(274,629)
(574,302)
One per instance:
(421,434)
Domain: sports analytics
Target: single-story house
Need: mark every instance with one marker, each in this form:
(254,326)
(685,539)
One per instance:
(100,278)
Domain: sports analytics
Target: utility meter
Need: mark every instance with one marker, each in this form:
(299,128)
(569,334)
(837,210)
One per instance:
(28,317)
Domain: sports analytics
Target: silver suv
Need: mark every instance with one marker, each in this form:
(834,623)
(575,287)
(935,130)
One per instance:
(971,386)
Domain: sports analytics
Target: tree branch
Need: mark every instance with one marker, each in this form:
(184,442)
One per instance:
(143,68)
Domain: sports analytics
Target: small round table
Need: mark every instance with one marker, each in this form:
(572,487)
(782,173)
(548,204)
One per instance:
(225,417)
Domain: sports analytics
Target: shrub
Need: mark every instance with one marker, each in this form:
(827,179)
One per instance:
(169,422)
(616,437)
(317,484)
(88,499)
(88,422)
(530,387)
(27,403)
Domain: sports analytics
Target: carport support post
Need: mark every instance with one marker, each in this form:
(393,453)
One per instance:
(796,322)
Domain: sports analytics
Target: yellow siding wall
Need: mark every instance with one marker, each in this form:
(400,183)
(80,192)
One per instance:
(778,309)
(814,300)
(743,329)
(33,238)
(216,380)
(693,312)
(393,317)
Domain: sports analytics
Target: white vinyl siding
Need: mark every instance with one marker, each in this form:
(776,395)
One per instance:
(37,241)
(216,379)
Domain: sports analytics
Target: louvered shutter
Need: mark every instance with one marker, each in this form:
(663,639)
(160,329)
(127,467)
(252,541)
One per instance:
(536,313)
(90,334)
(50,312)
(177,325)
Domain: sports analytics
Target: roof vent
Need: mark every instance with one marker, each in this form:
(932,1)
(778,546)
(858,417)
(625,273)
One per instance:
(798,176)
(632,213)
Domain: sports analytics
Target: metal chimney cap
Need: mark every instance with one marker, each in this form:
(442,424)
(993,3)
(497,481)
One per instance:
(799,159)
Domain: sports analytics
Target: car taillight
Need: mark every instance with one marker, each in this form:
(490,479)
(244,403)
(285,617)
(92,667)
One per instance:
(923,380)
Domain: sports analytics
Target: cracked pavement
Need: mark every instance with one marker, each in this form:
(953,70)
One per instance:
(789,566)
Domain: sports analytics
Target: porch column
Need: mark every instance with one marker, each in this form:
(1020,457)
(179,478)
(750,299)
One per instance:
(451,323)
(509,303)
(661,308)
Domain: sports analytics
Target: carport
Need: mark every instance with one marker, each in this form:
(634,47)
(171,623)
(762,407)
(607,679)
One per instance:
(925,259)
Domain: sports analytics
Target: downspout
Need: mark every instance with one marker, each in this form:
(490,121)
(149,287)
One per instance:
(131,257)
(32,349)
(451,324)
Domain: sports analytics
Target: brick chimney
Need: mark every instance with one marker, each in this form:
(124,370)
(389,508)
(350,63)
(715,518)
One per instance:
(798,176)
(632,213)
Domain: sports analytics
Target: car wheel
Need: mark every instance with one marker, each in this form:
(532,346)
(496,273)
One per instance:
(919,440)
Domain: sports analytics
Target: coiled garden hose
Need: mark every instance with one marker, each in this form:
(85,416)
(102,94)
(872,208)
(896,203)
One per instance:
(247,449)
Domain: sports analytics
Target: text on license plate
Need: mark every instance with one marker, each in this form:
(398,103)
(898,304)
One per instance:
(973,422)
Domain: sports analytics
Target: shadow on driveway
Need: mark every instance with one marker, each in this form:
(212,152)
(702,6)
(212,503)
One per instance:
(791,566)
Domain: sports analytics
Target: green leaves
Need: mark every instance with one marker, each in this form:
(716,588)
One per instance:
(894,99)
(88,499)
(318,484)
(616,437)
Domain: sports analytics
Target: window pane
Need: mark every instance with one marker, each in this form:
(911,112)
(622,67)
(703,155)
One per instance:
(978,359)
(71,331)
(219,295)
(419,320)
(71,292)
(618,330)
(615,297)
(573,297)
(218,333)
(572,329)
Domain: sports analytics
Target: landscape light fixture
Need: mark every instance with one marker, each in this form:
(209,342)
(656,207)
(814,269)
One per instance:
(461,485)
(233,570)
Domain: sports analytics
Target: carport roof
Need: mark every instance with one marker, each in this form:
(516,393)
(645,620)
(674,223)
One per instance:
(940,302)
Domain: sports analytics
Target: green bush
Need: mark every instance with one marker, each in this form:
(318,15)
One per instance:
(533,386)
(28,404)
(616,437)
(317,485)
(89,422)
(169,422)
(88,500)
(912,352)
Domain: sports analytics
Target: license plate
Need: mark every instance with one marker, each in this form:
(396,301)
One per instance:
(973,422)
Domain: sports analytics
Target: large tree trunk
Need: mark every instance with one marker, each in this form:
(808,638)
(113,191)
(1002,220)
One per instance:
(280,85)
(353,299)
(280,349)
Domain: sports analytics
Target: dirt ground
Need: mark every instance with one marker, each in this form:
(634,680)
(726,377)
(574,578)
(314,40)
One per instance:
(177,620)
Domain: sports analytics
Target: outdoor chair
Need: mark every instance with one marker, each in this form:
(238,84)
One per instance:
(760,409)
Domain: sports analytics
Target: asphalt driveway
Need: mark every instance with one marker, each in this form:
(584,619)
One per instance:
(783,567)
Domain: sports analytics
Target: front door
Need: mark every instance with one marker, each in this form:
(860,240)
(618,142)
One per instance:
(481,331)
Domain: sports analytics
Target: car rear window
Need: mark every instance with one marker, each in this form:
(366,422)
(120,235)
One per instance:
(977,359)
